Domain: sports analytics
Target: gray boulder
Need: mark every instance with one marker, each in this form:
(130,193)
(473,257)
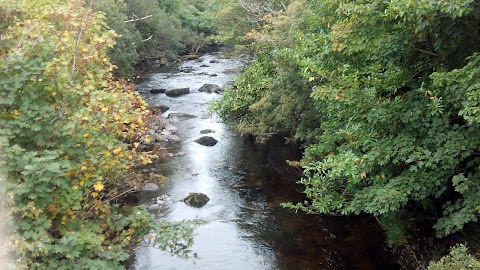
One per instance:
(153,208)
(206,140)
(210,88)
(161,108)
(176,117)
(206,131)
(177,92)
(172,138)
(150,187)
(158,91)
(196,200)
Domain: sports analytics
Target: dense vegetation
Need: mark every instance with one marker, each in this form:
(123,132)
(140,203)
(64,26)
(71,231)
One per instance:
(384,95)
(70,133)
(154,29)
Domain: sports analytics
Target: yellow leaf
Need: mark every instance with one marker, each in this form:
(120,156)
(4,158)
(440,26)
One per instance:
(104,109)
(82,182)
(147,139)
(83,168)
(98,186)
(89,143)
(363,175)
(86,135)
(117,150)
(75,187)
(311,79)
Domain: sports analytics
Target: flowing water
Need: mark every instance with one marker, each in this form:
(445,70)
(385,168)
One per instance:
(246,228)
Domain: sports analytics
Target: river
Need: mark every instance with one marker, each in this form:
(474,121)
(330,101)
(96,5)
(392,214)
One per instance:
(246,228)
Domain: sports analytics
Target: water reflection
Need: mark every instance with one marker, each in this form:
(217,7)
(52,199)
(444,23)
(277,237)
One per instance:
(246,182)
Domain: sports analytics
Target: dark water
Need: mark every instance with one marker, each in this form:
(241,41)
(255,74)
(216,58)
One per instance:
(245,226)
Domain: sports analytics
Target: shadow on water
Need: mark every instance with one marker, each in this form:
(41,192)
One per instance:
(246,228)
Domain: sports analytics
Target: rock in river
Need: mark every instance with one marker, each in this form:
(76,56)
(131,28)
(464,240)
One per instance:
(150,186)
(210,88)
(206,140)
(177,92)
(175,117)
(153,208)
(158,91)
(196,199)
(206,131)
(161,108)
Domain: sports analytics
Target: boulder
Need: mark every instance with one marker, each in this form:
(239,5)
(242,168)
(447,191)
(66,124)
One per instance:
(191,56)
(175,117)
(150,187)
(210,88)
(153,208)
(177,92)
(180,154)
(186,69)
(206,131)
(172,138)
(206,140)
(171,128)
(196,200)
(204,66)
(161,108)
(158,91)
(213,75)
(164,199)
(214,61)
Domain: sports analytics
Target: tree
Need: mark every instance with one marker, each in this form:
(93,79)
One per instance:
(124,53)
(395,103)
(68,157)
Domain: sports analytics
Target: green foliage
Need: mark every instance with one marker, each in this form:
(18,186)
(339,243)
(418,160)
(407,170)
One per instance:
(390,96)
(124,53)
(67,157)
(458,259)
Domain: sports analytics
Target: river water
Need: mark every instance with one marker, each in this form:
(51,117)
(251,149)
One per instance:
(246,228)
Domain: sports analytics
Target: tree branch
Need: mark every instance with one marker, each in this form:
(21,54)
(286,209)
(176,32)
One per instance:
(138,19)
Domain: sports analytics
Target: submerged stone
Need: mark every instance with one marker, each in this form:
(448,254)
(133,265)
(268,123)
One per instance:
(150,186)
(177,92)
(206,131)
(210,88)
(206,140)
(158,91)
(196,200)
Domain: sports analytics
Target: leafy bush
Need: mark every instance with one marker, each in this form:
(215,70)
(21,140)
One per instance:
(389,91)
(458,259)
(67,152)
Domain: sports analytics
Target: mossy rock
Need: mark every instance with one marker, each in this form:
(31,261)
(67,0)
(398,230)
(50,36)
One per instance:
(206,140)
(196,200)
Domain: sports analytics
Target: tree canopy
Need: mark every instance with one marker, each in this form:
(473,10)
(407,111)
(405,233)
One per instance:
(67,153)
(384,95)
